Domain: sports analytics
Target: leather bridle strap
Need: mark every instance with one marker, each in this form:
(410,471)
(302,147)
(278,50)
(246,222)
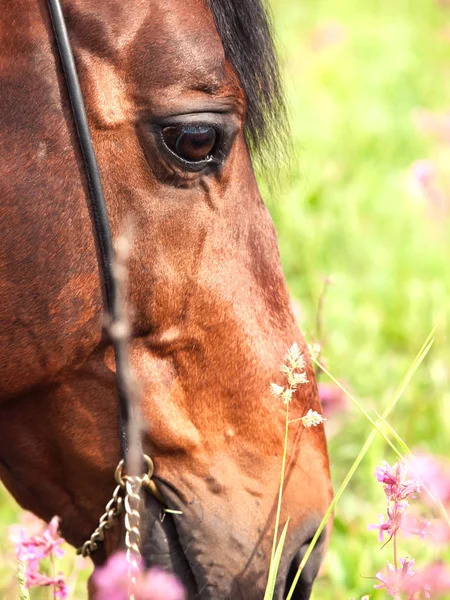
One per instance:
(99,211)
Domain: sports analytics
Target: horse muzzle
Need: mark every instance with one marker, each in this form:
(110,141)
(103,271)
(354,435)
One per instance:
(218,558)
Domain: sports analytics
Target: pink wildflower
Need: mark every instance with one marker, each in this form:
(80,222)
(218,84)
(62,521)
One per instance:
(332,398)
(434,473)
(58,583)
(396,515)
(382,527)
(39,546)
(413,525)
(433,579)
(30,550)
(438,532)
(397,485)
(394,580)
(159,585)
(402,581)
(112,582)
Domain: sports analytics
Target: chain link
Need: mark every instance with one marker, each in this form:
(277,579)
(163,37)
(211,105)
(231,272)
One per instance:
(132,520)
(125,496)
(112,510)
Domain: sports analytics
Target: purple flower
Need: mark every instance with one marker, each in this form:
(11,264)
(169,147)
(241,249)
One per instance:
(112,582)
(434,473)
(382,527)
(332,398)
(394,580)
(435,578)
(58,583)
(438,532)
(397,486)
(30,550)
(159,585)
(402,582)
(412,525)
(36,547)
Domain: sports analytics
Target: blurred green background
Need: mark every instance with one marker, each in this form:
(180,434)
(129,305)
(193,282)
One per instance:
(367,83)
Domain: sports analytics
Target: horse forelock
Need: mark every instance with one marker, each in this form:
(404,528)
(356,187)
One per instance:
(246,30)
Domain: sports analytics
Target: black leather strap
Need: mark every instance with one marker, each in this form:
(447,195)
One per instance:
(99,211)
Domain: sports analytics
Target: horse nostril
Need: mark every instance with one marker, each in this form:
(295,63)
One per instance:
(309,573)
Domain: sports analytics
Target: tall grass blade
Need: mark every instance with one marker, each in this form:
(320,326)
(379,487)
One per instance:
(21,579)
(374,424)
(407,378)
(274,565)
(280,492)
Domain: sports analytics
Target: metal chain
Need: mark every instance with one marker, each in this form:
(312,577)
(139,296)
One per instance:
(129,487)
(112,510)
(132,520)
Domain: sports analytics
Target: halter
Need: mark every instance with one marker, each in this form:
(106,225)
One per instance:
(126,494)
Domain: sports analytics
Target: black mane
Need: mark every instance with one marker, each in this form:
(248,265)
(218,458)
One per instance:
(245,28)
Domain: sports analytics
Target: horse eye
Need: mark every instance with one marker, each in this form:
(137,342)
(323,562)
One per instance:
(193,143)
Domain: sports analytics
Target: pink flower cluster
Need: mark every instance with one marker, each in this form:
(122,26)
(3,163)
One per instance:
(395,579)
(31,550)
(397,488)
(332,398)
(434,473)
(432,581)
(399,579)
(112,582)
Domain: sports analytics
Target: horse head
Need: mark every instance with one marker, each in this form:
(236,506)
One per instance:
(178,95)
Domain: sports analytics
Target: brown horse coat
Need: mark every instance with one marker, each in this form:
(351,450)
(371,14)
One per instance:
(211,311)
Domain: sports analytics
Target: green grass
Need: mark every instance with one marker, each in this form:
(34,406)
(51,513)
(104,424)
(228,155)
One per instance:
(343,211)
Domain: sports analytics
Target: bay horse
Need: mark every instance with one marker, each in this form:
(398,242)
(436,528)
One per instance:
(179,95)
